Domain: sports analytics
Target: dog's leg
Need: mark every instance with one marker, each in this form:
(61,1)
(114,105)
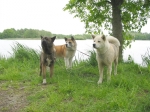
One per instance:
(115,66)
(44,73)
(70,62)
(67,63)
(40,66)
(100,73)
(51,70)
(109,72)
(40,69)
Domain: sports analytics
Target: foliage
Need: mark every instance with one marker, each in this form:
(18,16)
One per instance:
(8,33)
(134,15)
(23,33)
(140,36)
(98,13)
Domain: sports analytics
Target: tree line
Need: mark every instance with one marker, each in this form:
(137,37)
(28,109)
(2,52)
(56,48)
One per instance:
(34,33)
(140,36)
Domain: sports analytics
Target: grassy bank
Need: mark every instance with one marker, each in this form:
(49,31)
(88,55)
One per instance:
(74,90)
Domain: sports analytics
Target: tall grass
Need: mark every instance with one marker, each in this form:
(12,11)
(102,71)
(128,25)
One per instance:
(92,58)
(146,58)
(21,52)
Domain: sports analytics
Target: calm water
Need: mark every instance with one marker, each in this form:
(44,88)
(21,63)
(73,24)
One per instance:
(137,49)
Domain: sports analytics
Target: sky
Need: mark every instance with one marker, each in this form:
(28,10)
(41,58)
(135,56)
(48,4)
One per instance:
(45,15)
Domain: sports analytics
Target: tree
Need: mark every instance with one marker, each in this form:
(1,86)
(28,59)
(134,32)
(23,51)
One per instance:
(9,33)
(116,16)
(30,33)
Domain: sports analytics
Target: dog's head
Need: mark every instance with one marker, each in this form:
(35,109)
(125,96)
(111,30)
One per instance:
(70,43)
(99,41)
(47,44)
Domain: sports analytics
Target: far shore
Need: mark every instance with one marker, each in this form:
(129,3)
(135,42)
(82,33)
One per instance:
(21,39)
(30,39)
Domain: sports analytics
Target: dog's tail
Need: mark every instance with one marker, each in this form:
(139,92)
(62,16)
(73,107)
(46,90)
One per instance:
(113,40)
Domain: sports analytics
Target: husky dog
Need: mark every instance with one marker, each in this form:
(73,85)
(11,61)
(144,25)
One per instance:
(107,52)
(47,57)
(67,51)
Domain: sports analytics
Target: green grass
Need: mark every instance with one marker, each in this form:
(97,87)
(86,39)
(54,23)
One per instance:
(74,90)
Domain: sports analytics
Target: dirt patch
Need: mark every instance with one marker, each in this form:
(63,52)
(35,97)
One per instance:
(12,100)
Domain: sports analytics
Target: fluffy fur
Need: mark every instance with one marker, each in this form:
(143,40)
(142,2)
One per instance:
(67,51)
(107,52)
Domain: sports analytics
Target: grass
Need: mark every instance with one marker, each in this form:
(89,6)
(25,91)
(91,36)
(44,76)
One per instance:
(74,90)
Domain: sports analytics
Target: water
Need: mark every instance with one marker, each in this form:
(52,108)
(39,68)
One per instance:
(138,48)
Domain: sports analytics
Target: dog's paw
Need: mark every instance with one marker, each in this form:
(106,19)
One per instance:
(99,82)
(44,81)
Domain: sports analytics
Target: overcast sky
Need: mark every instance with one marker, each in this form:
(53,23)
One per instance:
(43,15)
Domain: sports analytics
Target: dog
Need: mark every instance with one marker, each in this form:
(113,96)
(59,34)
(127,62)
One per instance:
(107,52)
(47,57)
(67,51)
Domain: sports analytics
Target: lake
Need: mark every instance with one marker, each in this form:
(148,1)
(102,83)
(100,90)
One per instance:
(138,48)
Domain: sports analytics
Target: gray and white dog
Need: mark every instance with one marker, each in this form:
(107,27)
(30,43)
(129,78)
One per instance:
(47,57)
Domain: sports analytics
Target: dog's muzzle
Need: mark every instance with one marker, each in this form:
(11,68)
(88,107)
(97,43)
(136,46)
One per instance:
(94,45)
(43,43)
(66,45)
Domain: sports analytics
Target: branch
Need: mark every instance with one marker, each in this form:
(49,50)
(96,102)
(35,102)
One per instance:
(108,2)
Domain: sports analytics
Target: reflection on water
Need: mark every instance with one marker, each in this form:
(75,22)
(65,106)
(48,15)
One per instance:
(137,49)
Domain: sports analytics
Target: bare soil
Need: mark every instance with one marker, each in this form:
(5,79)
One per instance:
(12,100)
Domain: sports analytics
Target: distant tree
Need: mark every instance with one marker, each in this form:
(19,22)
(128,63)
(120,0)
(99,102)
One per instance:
(9,33)
(117,16)
(21,32)
(30,33)
(140,36)
(61,36)
(44,33)
(24,33)
(1,36)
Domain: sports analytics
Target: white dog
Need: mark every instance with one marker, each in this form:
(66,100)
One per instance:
(107,52)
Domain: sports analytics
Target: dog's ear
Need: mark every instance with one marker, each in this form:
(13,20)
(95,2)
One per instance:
(41,37)
(53,38)
(103,37)
(72,38)
(65,38)
(93,36)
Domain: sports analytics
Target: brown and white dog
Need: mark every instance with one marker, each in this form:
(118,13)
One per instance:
(107,52)
(67,51)
(47,57)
